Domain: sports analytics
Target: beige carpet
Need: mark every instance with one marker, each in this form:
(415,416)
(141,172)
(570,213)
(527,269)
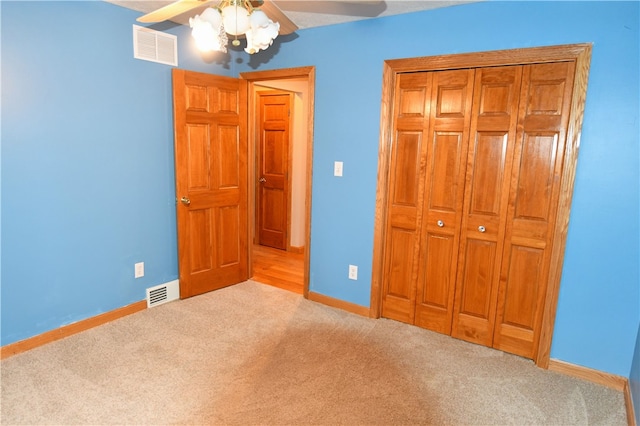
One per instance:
(255,354)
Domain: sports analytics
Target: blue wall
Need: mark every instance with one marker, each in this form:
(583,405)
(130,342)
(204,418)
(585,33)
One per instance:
(598,308)
(87,165)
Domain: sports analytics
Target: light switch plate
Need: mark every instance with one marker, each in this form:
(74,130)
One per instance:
(337,168)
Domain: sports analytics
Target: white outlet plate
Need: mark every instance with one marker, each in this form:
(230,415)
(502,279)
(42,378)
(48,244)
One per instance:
(353,272)
(337,168)
(139,270)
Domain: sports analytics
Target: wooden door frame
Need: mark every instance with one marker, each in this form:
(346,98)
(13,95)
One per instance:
(581,53)
(253,78)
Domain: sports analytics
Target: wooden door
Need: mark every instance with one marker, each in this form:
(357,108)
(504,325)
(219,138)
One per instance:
(489,163)
(273,169)
(533,203)
(406,190)
(447,143)
(475,169)
(210,114)
(522,153)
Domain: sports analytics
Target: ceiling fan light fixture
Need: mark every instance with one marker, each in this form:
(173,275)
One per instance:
(212,16)
(208,32)
(234,17)
(259,19)
(261,37)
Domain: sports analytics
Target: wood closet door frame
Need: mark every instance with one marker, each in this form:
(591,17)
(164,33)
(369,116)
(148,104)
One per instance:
(581,54)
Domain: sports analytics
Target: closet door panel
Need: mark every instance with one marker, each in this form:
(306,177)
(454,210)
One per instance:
(520,298)
(406,183)
(436,284)
(534,189)
(478,281)
(475,302)
(488,173)
(450,118)
(534,193)
(400,267)
(403,233)
(489,163)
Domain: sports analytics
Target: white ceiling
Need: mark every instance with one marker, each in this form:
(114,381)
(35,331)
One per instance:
(317,13)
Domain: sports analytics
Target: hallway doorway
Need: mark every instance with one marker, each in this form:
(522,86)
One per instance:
(288,268)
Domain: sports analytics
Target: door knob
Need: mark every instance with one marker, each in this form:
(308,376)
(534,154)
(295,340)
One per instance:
(185,200)
(481,228)
(440,223)
(262,180)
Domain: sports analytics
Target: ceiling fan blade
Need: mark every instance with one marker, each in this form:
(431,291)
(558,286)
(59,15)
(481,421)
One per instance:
(173,9)
(364,8)
(276,15)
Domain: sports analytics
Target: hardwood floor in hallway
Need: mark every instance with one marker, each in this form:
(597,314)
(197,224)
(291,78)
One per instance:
(278,268)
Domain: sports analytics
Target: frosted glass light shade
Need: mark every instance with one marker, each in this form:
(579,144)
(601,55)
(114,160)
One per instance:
(210,28)
(206,31)
(212,16)
(235,20)
(261,37)
(259,19)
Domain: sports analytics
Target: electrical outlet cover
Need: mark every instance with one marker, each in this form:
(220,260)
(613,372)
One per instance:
(353,272)
(139,270)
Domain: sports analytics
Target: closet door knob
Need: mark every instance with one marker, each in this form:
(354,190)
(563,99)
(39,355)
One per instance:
(185,200)
(481,228)
(262,180)
(440,223)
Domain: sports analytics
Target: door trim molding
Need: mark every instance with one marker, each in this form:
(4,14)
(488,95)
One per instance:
(581,54)
(303,73)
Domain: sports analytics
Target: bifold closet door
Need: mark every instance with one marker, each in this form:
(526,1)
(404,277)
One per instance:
(432,113)
(511,200)
(447,145)
(411,107)
(533,201)
(476,164)
(489,164)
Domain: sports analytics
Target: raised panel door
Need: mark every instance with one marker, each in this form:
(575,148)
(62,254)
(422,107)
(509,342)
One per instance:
(404,205)
(489,162)
(273,170)
(533,201)
(211,181)
(448,138)
(519,172)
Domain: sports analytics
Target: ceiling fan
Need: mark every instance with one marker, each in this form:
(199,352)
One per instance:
(260,21)
(181,7)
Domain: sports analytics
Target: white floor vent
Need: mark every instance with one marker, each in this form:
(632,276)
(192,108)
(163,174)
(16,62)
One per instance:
(155,46)
(163,293)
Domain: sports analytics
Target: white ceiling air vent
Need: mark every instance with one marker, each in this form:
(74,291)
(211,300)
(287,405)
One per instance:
(155,46)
